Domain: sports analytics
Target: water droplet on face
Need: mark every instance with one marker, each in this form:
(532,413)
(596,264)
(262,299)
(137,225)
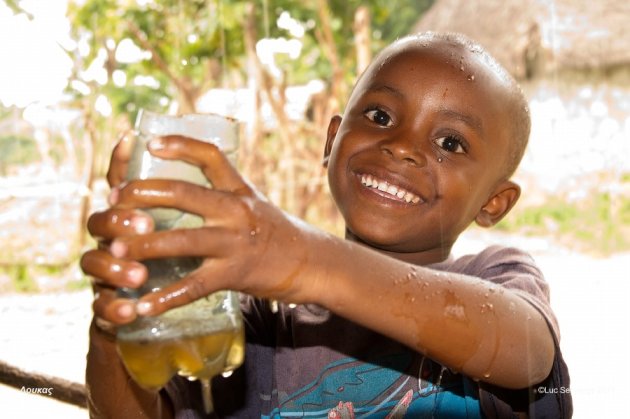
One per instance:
(486,375)
(471,77)
(462,68)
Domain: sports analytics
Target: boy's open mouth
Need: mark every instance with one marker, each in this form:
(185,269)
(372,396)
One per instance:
(395,191)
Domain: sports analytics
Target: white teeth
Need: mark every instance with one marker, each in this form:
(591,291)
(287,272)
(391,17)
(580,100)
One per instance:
(383,186)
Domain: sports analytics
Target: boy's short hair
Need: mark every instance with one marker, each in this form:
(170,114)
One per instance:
(520,108)
(519,112)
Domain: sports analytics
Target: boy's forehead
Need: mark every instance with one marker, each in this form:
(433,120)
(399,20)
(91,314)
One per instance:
(448,54)
(406,60)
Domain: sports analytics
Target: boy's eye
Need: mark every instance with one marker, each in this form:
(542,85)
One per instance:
(379,117)
(451,144)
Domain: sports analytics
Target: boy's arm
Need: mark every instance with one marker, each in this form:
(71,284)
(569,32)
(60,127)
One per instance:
(482,330)
(111,392)
(470,325)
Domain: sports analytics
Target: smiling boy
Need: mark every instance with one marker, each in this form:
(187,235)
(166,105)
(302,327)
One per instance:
(388,324)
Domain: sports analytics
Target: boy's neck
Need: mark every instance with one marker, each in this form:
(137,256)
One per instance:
(420,258)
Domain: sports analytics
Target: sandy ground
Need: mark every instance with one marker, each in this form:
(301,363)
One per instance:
(44,333)
(47,333)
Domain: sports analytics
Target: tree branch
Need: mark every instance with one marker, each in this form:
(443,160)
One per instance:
(188,93)
(60,389)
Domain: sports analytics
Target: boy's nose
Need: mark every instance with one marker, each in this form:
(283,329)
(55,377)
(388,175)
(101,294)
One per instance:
(405,151)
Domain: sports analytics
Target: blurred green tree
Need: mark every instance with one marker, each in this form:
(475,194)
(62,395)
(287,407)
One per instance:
(183,48)
(195,45)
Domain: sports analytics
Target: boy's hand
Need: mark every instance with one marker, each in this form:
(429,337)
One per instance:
(241,230)
(108,272)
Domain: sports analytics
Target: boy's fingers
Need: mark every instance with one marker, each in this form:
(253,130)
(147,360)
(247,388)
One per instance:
(212,162)
(194,242)
(116,222)
(177,194)
(111,271)
(185,291)
(120,160)
(108,307)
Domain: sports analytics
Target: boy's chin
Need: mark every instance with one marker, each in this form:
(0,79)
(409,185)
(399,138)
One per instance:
(386,243)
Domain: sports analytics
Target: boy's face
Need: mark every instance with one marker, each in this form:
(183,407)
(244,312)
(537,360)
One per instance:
(419,153)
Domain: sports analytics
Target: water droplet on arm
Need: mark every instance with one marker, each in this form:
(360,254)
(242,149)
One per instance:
(487,307)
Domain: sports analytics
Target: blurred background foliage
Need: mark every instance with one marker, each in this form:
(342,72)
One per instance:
(181,56)
(165,55)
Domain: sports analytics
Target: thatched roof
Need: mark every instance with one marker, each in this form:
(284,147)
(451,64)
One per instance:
(528,37)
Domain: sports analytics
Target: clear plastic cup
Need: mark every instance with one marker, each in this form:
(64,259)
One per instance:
(202,339)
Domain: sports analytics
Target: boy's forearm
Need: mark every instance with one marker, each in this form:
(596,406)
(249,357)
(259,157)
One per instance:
(470,325)
(111,392)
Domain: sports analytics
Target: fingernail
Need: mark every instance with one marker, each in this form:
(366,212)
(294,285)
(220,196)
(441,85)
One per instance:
(118,249)
(125,310)
(143,307)
(135,275)
(113,196)
(156,144)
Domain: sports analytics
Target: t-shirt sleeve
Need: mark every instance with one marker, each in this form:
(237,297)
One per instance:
(517,271)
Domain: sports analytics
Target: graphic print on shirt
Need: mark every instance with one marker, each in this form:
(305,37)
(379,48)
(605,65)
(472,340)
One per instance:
(350,388)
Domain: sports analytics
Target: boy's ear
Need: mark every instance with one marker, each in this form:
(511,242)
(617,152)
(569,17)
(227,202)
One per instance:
(333,126)
(500,203)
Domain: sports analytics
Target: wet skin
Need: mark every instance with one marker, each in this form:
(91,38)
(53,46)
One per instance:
(404,116)
(426,126)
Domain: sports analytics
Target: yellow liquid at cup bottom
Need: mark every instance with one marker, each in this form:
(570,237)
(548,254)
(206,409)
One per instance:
(152,363)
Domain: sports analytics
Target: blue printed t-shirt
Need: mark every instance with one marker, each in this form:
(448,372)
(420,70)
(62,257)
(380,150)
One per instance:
(306,362)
